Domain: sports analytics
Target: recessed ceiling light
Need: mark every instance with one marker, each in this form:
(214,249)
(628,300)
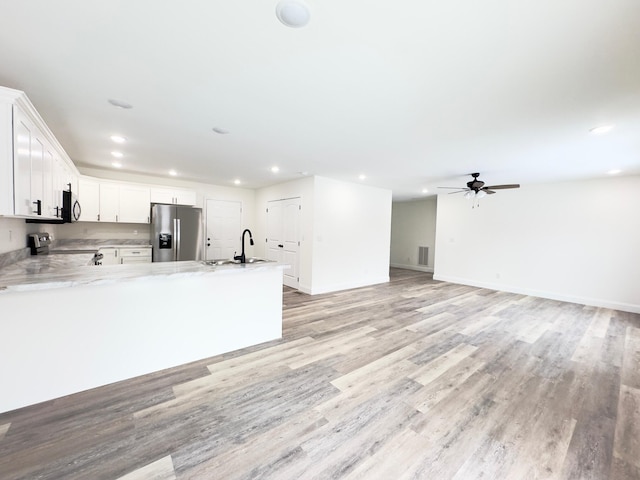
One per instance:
(220,130)
(118,138)
(173,173)
(116,164)
(615,171)
(292,13)
(120,104)
(362,177)
(275,169)
(601,130)
(117,154)
(236,182)
(424,190)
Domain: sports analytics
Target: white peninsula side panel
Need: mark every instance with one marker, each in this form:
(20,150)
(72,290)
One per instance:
(65,340)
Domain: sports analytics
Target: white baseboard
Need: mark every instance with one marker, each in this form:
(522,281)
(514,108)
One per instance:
(419,268)
(336,287)
(592,302)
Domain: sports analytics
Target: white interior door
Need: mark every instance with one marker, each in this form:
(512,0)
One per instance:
(283,237)
(224,220)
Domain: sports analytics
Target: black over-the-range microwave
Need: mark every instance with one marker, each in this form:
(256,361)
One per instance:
(70,211)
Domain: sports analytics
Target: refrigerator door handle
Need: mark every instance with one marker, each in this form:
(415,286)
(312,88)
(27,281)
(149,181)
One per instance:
(175,239)
(178,239)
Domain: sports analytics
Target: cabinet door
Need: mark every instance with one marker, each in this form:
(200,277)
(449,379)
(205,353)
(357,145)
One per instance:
(48,198)
(37,174)
(89,199)
(135,255)
(185,197)
(135,204)
(6,160)
(162,195)
(22,164)
(110,256)
(58,184)
(109,202)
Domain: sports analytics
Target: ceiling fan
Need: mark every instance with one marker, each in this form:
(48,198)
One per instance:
(476,189)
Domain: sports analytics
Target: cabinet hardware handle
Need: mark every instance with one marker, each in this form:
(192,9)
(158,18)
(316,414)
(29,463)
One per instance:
(98,217)
(116,218)
(281,246)
(38,204)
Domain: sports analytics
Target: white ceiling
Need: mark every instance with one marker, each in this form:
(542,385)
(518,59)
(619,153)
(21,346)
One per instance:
(414,94)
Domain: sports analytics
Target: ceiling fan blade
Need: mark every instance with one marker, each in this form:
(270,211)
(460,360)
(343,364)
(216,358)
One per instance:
(454,188)
(489,192)
(459,191)
(503,187)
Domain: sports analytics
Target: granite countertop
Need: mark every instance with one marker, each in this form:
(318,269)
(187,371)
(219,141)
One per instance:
(69,263)
(29,274)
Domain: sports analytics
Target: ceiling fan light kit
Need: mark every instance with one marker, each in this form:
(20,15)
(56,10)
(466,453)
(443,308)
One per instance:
(476,190)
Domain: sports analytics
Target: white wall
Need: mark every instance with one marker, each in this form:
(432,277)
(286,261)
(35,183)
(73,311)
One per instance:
(104,231)
(413,224)
(351,235)
(345,232)
(303,188)
(14,231)
(574,241)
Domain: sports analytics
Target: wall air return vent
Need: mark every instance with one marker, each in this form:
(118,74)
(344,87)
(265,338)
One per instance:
(423,256)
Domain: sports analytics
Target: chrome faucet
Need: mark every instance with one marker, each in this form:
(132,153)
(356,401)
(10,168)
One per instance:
(242,257)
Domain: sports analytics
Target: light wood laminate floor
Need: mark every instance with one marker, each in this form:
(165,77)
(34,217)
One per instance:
(414,379)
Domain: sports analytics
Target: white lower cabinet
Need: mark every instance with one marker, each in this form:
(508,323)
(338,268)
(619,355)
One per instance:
(135,255)
(109,256)
(125,255)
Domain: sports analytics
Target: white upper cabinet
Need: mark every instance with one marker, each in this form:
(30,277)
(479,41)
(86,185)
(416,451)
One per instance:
(135,204)
(107,201)
(23,131)
(89,199)
(175,196)
(30,158)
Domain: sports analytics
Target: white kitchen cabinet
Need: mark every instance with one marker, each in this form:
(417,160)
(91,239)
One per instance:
(125,255)
(175,196)
(135,204)
(28,160)
(135,255)
(6,158)
(109,202)
(23,131)
(109,256)
(89,199)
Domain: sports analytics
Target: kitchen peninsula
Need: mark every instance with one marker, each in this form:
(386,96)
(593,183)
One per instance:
(82,327)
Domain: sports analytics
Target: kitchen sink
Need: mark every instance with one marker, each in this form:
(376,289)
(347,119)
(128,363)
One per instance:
(257,260)
(225,261)
(228,261)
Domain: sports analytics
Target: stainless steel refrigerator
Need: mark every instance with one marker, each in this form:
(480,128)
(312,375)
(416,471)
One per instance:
(176,233)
